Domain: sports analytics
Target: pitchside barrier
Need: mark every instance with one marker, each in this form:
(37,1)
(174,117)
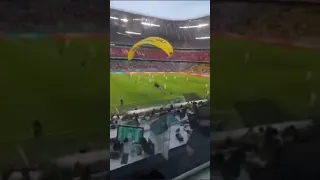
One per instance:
(194,74)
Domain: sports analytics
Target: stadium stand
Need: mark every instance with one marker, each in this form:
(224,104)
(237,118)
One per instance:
(54,16)
(289,21)
(287,150)
(199,68)
(191,47)
(133,66)
(152,54)
(284,19)
(33,19)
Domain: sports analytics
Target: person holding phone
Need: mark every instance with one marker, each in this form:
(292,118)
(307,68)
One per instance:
(126,151)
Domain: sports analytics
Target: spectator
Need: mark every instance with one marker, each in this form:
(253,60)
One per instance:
(6,174)
(155,175)
(25,173)
(290,134)
(217,160)
(198,145)
(52,173)
(86,173)
(232,166)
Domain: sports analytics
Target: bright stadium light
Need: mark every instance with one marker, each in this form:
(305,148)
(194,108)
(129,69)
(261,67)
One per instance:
(123,34)
(134,33)
(197,26)
(124,20)
(136,19)
(203,25)
(205,37)
(150,24)
(186,27)
(112,17)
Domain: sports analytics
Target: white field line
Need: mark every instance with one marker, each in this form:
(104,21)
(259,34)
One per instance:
(116,109)
(22,154)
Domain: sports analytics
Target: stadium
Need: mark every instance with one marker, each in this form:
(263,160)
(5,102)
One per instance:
(135,102)
(265,106)
(264,54)
(128,33)
(53,73)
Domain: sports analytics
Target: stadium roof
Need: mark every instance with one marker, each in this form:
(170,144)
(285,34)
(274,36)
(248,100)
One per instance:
(128,28)
(169,10)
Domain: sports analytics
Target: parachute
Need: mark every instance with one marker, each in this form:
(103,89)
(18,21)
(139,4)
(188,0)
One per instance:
(155,41)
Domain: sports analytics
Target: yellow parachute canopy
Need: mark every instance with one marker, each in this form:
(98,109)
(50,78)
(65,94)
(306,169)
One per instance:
(155,41)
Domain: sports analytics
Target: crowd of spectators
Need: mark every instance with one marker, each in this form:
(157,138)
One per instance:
(289,22)
(194,118)
(181,61)
(199,69)
(262,153)
(147,66)
(285,20)
(53,16)
(180,111)
(137,119)
(155,54)
(172,64)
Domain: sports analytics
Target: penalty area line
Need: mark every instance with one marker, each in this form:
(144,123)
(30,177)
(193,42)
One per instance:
(116,109)
(23,155)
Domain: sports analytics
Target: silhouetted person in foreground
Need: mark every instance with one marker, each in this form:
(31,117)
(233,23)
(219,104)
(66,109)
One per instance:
(86,174)
(6,174)
(198,145)
(154,175)
(232,166)
(25,174)
(52,173)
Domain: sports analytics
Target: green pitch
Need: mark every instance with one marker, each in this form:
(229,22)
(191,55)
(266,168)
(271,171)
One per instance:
(70,100)
(142,93)
(274,72)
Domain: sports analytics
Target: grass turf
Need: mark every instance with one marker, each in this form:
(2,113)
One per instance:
(70,100)
(142,93)
(277,73)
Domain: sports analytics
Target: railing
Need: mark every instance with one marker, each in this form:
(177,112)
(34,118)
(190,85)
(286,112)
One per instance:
(194,171)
